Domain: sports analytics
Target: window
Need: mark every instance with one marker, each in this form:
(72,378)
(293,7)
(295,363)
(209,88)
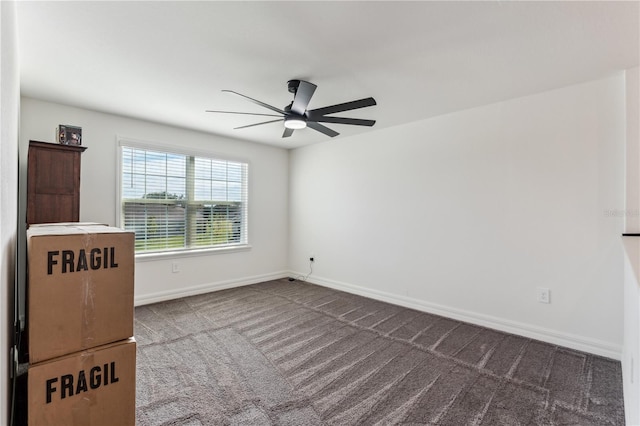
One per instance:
(174,201)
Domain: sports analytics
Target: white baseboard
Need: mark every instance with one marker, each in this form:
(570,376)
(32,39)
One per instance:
(554,337)
(162,296)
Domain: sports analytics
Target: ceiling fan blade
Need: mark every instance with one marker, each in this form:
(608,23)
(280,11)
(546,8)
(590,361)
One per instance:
(322,129)
(303,96)
(244,113)
(343,120)
(287,132)
(347,106)
(258,124)
(255,101)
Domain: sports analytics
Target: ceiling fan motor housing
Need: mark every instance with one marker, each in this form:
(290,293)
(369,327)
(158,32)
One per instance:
(293,85)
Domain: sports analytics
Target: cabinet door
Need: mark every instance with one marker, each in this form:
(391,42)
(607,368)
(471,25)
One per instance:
(53,183)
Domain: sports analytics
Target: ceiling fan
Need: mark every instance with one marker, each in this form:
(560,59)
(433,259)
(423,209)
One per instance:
(296,115)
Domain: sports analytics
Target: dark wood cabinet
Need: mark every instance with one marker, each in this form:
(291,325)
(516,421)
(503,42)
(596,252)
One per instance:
(53,182)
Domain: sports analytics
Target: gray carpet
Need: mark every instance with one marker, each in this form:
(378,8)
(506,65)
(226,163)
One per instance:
(292,353)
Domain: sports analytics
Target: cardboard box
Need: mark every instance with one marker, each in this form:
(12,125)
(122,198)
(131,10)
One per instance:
(88,388)
(80,288)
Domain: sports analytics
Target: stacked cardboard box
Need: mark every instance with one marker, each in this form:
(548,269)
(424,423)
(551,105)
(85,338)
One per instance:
(80,323)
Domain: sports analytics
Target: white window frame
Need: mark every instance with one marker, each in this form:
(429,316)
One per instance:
(172,149)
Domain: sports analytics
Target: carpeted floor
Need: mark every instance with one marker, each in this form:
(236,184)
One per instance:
(292,353)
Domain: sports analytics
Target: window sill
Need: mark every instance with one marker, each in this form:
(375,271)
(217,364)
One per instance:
(144,257)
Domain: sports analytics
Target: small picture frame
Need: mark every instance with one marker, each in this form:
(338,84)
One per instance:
(69,135)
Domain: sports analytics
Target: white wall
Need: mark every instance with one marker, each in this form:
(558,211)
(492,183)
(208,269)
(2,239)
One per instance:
(9,103)
(268,202)
(631,342)
(467,214)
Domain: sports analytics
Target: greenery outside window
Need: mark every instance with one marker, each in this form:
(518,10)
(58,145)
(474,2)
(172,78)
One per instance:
(175,201)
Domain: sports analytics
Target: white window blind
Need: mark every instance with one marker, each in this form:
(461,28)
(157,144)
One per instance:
(180,202)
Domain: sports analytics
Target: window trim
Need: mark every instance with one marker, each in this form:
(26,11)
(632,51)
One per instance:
(123,141)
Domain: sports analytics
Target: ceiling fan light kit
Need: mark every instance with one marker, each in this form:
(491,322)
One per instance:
(295,123)
(296,116)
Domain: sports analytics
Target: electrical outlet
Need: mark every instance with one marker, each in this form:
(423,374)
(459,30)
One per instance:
(544,295)
(175,267)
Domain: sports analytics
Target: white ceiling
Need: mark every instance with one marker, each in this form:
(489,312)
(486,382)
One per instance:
(168,61)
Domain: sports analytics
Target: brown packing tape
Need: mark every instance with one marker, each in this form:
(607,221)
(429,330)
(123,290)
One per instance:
(62,228)
(81,409)
(89,321)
